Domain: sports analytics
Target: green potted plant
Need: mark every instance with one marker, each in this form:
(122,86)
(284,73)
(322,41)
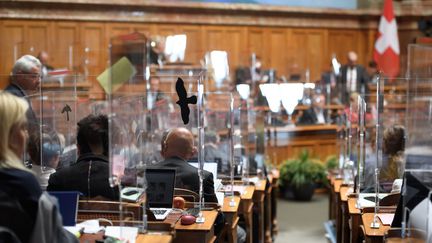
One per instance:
(300,176)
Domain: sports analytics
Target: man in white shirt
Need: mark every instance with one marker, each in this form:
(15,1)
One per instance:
(353,78)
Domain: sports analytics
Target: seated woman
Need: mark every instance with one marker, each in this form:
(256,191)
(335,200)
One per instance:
(393,158)
(25,211)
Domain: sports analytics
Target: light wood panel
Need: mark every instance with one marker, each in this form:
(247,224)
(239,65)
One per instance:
(280,48)
(277,50)
(11,46)
(66,53)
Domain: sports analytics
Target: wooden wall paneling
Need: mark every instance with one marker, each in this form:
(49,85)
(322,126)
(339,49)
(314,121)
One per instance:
(213,38)
(316,53)
(276,47)
(167,29)
(94,49)
(38,37)
(340,43)
(66,51)
(299,40)
(11,47)
(194,44)
(256,37)
(116,29)
(144,28)
(235,45)
(406,37)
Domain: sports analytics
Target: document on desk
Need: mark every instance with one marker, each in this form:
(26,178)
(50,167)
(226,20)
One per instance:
(88,227)
(386,218)
(237,188)
(124,233)
(365,199)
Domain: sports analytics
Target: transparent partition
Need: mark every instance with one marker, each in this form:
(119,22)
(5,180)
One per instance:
(419,61)
(383,143)
(418,167)
(122,81)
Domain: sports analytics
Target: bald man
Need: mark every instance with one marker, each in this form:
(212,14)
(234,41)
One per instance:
(177,148)
(353,78)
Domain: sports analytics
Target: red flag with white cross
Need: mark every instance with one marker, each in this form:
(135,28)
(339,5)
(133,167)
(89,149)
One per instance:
(386,52)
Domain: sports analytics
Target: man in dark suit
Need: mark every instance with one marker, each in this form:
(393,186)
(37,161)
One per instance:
(155,95)
(25,80)
(177,149)
(353,78)
(89,174)
(316,114)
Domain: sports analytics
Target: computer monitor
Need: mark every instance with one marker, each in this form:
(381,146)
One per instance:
(68,205)
(208,166)
(160,187)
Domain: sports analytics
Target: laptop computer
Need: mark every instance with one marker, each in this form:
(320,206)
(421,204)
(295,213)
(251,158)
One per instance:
(160,191)
(68,205)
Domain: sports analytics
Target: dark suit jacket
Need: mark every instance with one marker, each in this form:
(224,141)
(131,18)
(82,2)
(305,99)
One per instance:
(76,177)
(309,117)
(31,116)
(187,177)
(19,196)
(361,82)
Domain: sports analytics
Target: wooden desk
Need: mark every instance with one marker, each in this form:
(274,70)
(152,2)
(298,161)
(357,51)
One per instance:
(246,209)
(373,235)
(354,219)
(406,240)
(231,217)
(344,224)
(197,233)
(141,238)
(259,200)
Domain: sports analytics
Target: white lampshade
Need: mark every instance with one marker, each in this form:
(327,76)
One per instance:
(273,95)
(244,90)
(291,94)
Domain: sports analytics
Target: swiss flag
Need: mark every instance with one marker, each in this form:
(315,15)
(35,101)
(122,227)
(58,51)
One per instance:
(386,53)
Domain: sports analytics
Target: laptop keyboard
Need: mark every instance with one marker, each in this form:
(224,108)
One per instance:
(159,211)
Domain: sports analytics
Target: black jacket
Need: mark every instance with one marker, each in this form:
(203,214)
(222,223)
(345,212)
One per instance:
(361,82)
(19,195)
(187,177)
(31,116)
(76,177)
(309,117)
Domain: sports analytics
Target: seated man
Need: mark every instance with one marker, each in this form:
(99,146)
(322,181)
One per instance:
(316,114)
(177,148)
(89,174)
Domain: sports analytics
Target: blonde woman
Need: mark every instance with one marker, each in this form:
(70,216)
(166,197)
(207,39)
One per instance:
(20,193)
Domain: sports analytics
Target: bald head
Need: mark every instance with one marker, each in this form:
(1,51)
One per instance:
(352,58)
(178,143)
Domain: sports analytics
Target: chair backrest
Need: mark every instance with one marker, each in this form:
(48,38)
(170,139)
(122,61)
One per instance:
(109,210)
(188,195)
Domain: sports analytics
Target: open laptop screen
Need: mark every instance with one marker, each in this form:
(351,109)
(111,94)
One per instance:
(68,205)
(160,187)
(208,166)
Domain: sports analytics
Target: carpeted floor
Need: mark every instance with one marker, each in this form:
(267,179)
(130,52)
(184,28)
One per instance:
(302,222)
